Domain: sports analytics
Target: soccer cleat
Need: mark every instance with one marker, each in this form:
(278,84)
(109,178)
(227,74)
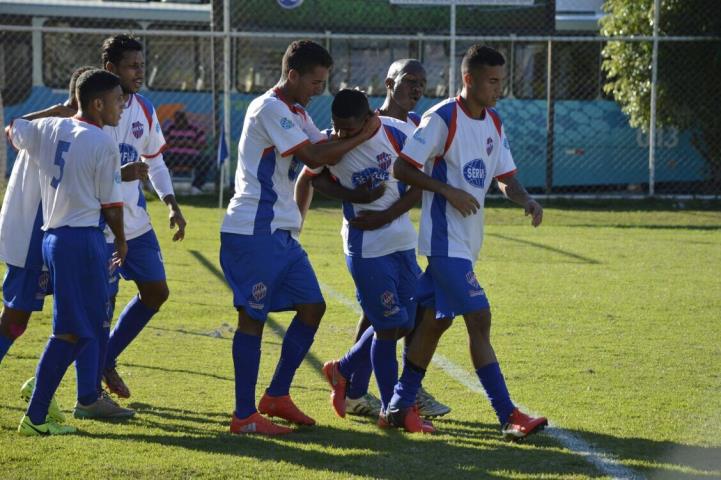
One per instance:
(338,386)
(283,407)
(407,418)
(428,406)
(50,427)
(115,384)
(366,406)
(257,424)
(520,425)
(55,414)
(103,407)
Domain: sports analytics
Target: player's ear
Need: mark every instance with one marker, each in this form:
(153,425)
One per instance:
(109,67)
(468,79)
(293,75)
(390,83)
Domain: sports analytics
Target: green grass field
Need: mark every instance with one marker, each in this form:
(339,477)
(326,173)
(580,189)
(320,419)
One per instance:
(608,321)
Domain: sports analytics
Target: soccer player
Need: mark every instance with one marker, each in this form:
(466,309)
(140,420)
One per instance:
(141,144)
(382,261)
(79,175)
(456,152)
(405,83)
(26,283)
(264,264)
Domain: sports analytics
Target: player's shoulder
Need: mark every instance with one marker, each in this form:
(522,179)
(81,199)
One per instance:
(390,123)
(495,118)
(444,110)
(415,118)
(140,108)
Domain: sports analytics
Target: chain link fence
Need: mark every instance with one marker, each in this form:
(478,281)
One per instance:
(576,105)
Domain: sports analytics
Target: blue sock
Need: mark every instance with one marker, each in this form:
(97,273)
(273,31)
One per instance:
(54,362)
(495,387)
(359,380)
(405,391)
(296,343)
(246,361)
(358,355)
(5,344)
(86,372)
(130,322)
(385,366)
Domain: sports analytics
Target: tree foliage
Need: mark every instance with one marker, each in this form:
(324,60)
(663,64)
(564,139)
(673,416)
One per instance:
(688,93)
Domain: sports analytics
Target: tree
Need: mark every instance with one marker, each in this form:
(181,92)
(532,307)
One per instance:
(688,93)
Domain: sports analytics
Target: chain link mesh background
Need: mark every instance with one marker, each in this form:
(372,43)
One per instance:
(588,147)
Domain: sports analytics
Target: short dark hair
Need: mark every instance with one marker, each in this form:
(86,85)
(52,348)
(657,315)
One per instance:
(74,79)
(93,83)
(115,47)
(350,104)
(479,55)
(303,56)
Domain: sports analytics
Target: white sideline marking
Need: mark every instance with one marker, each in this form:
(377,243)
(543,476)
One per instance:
(602,461)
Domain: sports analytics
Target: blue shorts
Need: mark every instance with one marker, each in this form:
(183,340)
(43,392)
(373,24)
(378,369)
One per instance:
(76,260)
(450,286)
(25,288)
(386,287)
(143,263)
(267,273)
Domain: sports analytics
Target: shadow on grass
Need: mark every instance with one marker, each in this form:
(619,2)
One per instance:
(565,253)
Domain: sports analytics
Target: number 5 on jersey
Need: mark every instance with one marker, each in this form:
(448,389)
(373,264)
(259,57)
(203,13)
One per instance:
(60,161)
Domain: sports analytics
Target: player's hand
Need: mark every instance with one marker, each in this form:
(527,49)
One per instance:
(462,201)
(176,219)
(535,210)
(121,250)
(369,128)
(134,171)
(369,220)
(366,194)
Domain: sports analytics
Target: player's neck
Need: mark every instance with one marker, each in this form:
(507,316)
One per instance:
(286,93)
(90,117)
(392,109)
(473,108)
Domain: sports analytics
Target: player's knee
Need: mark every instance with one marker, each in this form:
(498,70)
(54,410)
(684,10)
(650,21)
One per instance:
(154,295)
(13,323)
(67,337)
(479,322)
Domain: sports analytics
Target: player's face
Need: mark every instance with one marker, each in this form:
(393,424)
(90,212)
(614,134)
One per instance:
(309,84)
(112,106)
(348,127)
(485,84)
(131,70)
(408,88)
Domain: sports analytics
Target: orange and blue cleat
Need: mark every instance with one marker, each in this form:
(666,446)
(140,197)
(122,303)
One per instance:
(520,425)
(283,407)
(256,424)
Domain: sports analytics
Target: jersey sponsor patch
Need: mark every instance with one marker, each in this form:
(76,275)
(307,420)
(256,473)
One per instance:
(128,153)
(286,123)
(373,176)
(475,173)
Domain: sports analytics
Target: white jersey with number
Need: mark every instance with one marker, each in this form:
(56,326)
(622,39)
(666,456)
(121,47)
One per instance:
(371,163)
(79,169)
(465,153)
(21,216)
(273,130)
(138,136)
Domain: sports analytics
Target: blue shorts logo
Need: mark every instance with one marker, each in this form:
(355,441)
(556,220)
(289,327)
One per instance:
(128,154)
(286,123)
(290,3)
(475,173)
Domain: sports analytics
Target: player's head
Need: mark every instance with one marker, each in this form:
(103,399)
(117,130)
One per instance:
(123,55)
(406,82)
(484,72)
(349,110)
(305,69)
(72,100)
(100,96)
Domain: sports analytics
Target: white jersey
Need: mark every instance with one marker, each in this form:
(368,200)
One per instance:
(465,153)
(79,169)
(265,177)
(138,136)
(372,162)
(21,216)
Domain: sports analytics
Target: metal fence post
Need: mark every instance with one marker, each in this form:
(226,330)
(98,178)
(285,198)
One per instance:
(652,119)
(550,118)
(226,95)
(452,60)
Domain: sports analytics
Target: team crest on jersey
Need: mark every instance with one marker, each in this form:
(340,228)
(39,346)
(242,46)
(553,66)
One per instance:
(286,123)
(475,173)
(137,128)
(128,154)
(489,145)
(388,299)
(259,292)
(384,160)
